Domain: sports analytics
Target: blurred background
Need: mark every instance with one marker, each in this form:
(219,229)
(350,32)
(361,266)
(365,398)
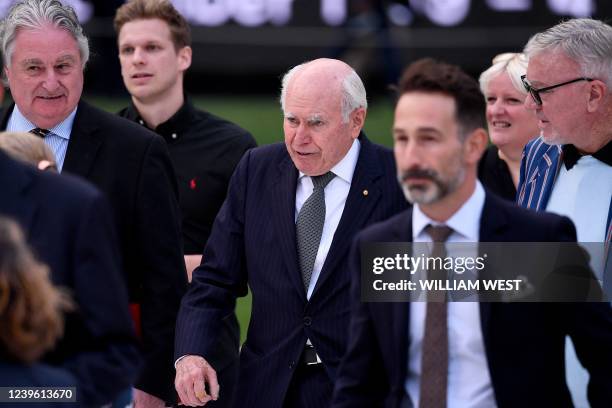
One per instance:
(242,47)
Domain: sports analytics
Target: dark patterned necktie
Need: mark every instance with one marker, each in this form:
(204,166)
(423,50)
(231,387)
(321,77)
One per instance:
(309,226)
(434,363)
(40,132)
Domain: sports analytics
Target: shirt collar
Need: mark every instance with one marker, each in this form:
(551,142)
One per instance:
(172,129)
(19,123)
(571,155)
(466,221)
(345,167)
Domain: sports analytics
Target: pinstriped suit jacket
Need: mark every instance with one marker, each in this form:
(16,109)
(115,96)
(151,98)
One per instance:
(539,169)
(253,243)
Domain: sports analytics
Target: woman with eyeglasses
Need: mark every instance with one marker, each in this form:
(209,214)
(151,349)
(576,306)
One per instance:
(510,125)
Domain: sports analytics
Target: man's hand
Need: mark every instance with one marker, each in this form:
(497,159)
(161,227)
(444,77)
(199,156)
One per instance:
(144,400)
(192,375)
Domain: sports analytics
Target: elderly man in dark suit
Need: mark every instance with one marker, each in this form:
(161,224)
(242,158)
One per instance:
(44,53)
(68,224)
(284,231)
(479,354)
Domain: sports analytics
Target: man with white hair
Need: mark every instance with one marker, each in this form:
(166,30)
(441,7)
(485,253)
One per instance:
(568,169)
(284,231)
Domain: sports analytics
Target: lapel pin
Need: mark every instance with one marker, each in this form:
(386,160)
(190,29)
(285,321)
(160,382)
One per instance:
(365,193)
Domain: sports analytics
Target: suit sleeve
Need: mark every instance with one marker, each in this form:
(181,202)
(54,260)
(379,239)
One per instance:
(589,324)
(164,279)
(109,362)
(220,278)
(361,378)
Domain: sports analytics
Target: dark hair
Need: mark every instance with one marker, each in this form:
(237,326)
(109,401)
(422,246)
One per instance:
(161,9)
(31,308)
(430,76)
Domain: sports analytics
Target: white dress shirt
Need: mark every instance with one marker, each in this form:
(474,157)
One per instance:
(336,193)
(469,381)
(58,136)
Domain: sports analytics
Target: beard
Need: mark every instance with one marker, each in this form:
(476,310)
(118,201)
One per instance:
(435,190)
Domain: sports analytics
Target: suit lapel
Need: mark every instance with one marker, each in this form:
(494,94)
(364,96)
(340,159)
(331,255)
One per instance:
(543,179)
(356,211)
(84,142)
(401,310)
(284,197)
(492,226)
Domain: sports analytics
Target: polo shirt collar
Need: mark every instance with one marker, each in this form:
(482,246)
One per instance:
(172,129)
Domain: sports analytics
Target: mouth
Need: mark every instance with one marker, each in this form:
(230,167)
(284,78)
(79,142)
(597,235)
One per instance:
(50,97)
(141,75)
(500,124)
(304,154)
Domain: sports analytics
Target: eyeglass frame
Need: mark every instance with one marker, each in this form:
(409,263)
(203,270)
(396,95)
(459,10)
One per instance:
(535,92)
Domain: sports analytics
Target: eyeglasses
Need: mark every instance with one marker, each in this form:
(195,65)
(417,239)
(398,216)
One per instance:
(535,93)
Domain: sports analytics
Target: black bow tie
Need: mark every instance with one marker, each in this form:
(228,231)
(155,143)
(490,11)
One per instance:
(571,155)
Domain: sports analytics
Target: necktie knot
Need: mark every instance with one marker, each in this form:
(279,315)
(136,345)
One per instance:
(323,180)
(40,132)
(438,233)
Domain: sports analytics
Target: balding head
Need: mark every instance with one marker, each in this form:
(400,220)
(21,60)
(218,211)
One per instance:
(335,75)
(324,106)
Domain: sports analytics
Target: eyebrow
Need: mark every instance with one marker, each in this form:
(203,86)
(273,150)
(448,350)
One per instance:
(66,58)
(315,118)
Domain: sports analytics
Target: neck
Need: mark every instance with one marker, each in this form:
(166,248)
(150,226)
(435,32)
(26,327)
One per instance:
(513,163)
(442,210)
(159,109)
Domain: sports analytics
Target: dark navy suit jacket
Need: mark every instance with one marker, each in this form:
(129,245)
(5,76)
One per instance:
(69,226)
(132,167)
(524,342)
(253,243)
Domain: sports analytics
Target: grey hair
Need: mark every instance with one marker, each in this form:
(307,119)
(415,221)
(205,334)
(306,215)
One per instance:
(586,41)
(512,63)
(34,14)
(353,92)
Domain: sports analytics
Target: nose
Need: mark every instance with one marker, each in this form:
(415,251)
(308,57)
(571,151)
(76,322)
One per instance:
(302,136)
(497,108)
(138,56)
(530,103)
(51,82)
(407,156)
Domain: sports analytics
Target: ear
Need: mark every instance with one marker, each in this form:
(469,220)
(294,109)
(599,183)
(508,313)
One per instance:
(184,58)
(597,92)
(356,121)
(475,145)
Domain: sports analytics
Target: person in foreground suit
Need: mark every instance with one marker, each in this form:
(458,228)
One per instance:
(45,52)
(568,169)
(285,233)
(68,224)
(155,52)
(486,354)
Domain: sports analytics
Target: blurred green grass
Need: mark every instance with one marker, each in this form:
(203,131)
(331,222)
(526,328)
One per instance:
(261,116)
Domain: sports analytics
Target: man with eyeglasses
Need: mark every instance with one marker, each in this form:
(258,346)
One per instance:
(568,169)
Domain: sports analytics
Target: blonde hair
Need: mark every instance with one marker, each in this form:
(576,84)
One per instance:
(26,147)
(31,308)
(512,63)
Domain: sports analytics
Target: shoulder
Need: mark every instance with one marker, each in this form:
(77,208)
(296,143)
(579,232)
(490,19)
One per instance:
(228,130)
(111,126)
(394,229)
(525,224)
